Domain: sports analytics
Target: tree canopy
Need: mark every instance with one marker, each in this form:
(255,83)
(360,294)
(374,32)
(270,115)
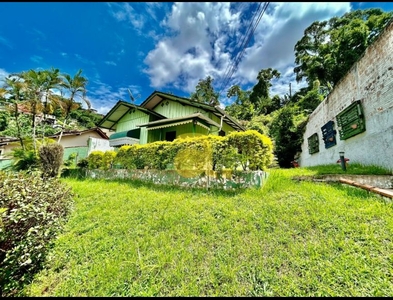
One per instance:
(204,92)
(329,48)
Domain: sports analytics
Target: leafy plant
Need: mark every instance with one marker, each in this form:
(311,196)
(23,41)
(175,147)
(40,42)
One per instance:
(51,158)
(24,160)
(95,159)
(250,148)
(33,212)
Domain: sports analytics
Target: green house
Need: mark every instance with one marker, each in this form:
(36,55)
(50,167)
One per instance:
(165,117)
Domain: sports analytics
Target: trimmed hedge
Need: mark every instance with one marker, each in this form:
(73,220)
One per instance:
(51,158)
(249,150)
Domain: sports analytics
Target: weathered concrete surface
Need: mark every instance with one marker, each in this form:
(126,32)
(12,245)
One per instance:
(214,180)
(383,192)
(370,80)
(379,181)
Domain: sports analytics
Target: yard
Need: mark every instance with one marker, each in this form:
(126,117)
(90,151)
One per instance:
(289,238)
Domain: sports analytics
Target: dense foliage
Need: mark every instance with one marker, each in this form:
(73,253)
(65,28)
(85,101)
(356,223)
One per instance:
(247,150)
(33,211)
(51,158)
(204,92)
(323,56)
(329,48)
(29,98)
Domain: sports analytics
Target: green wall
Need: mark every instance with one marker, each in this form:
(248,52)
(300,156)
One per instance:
(185,129)
(175,109)
(225,126)
(4,163)
(82,152)
(129,122)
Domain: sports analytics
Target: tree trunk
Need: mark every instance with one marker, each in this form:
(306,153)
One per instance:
(61,132)
(18,126)
(34,110)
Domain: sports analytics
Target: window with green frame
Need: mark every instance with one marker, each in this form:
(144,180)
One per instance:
(313,144)
(351,121)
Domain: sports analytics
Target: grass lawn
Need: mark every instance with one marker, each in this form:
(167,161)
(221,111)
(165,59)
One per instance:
(289,238)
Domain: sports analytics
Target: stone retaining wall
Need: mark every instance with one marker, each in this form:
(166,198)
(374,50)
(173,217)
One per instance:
(214,180)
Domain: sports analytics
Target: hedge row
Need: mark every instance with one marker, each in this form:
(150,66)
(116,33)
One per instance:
(248,150)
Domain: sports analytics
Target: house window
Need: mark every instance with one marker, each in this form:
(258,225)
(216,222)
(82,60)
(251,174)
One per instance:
(170,136)
(313,144)
(1,152)
(351,121)
(221,133)
(329,134)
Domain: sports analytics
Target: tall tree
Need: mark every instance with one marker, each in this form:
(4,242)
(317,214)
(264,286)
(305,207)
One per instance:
(75,87)
(241,108)
(12,94)
(259,96)
(204,92)
(39,87)
(328,49)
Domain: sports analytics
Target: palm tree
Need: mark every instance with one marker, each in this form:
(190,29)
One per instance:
(74,86)
(52,83)
(40,85)
(12,93)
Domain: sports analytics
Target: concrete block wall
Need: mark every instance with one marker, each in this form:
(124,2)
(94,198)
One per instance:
(370,80)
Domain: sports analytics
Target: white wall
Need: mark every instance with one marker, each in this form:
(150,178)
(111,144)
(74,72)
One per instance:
(98,144)
(371,81)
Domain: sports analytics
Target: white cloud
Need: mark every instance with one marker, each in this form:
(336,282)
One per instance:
(284,27)
(111,63)
(37,59)
(125,12)
(203,38)
(3,74)
(103,96)
(194,48)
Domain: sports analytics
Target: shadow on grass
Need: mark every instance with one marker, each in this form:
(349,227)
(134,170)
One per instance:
(169,188)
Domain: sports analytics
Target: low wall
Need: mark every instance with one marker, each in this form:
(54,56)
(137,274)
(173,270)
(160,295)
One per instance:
(214,180)
(5,163)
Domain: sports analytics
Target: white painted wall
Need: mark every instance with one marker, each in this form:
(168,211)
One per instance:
(371,81)
(98,144)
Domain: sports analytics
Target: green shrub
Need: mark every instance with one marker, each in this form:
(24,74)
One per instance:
(33,212)
(251,149)
(254,150)
(24,160)
(287,130)
(51,158)
(121,159)
(95,159)
(83,163)
(107,159)
(70,161)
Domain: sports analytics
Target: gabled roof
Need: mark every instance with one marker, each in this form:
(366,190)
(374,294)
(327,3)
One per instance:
(156,97)
(79,132)
(5,140)
(179,120)
(119,110)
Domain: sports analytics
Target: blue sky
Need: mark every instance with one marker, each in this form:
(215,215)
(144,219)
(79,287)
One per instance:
(165,46)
